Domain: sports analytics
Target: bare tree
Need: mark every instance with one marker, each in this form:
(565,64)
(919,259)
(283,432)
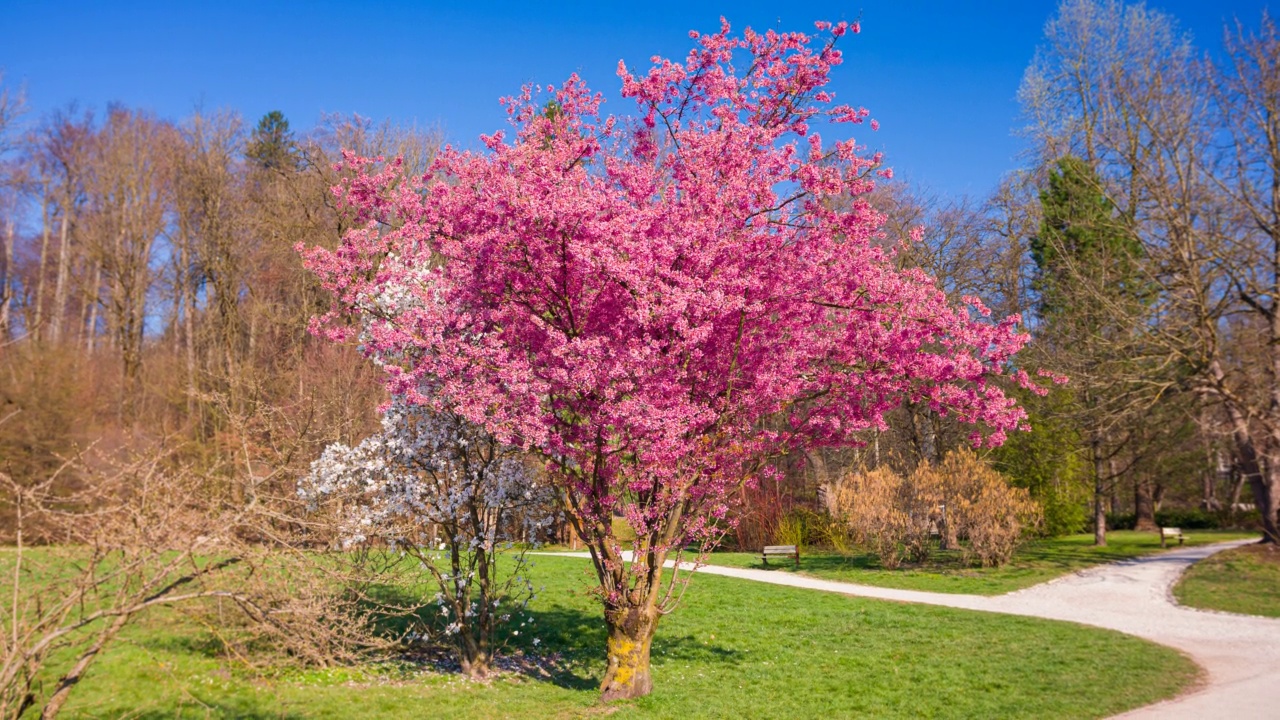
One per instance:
(1189,153)
(12,107)
(57,159)
(211,252)
(1246,93)
(129,201)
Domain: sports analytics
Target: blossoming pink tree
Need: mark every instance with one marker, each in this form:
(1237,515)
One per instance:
(633,298)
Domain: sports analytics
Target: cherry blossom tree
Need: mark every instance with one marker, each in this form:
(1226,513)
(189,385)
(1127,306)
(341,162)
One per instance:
(657,305)
(446,496)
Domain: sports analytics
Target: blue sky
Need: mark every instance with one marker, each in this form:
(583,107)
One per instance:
(941,77)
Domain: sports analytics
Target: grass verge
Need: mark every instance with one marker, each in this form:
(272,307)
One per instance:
(734,649)
(1034,563)
(1241,580)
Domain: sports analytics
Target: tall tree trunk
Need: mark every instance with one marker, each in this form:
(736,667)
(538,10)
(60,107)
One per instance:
(60,284)
(36,330)
(1266,492)
(1262,480)
(1238,482)
(6,279)
(1099,493)
(631,630)
(188,300)
(1263,477)
(92,301)
(1209,489)
(1144,506)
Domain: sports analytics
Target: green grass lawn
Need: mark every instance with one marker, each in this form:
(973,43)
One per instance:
(1242,580)
(734,649)
(1034,563)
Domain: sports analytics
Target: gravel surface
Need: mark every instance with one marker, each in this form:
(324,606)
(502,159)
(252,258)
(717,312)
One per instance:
(1239,653)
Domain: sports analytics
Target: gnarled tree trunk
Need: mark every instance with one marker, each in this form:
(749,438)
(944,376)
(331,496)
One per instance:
(475,656)
(631,630)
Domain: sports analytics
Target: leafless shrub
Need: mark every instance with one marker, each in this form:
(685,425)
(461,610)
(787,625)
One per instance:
(983,508)
(131,538)
(869,502)
(136,532)
(896,516)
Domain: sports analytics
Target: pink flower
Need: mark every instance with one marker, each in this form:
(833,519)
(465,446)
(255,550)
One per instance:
(634,305)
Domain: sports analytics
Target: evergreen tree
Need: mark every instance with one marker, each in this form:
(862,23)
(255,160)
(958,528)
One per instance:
(1091,308)
(1085,251)
(272,146)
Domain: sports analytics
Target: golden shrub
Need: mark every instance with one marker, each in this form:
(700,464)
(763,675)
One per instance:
(984,509)
(896,517)
(868,502)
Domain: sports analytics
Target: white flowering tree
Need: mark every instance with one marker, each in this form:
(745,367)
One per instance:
(441,492)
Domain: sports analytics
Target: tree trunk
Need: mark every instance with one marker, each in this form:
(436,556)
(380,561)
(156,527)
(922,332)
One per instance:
(1209,487)
(36,330)
(1266,494)
(1238,480)
(60,285)
(6,279)
(631,630)
(1263,476)
(474,655)
(92,302)
(187,308)
(1144,506)
(1099,495)
(1099,517)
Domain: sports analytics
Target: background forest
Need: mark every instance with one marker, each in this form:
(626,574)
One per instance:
(178,431)
(152,299)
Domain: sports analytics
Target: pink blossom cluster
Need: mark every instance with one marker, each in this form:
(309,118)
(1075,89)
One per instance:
(634,297)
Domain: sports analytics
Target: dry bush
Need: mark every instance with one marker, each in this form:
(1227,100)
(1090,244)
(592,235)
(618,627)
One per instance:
(983,508)
(134,532)
(758,514)
(45,402)
(896,517)
(920,497)
(868,502)
(288,606)
(130,537)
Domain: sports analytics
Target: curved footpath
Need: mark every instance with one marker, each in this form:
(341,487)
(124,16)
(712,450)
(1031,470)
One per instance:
(1240,653)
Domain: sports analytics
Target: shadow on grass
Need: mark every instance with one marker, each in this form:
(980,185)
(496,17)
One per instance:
(579,637)
(562,644)
(200,644)
(829,562)
(1067,556)
(246,710)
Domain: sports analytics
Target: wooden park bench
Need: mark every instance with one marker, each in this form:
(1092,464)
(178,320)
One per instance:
(1171,532)
(791,551)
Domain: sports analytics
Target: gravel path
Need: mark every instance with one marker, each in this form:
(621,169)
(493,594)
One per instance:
(1240,653)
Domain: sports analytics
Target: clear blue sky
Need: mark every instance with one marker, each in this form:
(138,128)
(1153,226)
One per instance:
(941,77)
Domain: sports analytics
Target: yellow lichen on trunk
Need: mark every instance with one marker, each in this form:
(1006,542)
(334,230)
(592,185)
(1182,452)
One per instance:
(630,638)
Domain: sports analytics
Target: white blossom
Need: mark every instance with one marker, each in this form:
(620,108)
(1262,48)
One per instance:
(434,485)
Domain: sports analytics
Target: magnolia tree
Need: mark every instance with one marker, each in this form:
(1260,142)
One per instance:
(445,494)
(657,305)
